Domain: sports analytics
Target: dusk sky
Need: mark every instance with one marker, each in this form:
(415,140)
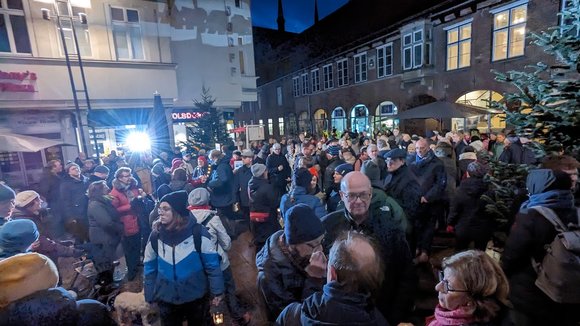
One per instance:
(299,14)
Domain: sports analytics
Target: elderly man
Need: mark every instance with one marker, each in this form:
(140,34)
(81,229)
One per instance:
(278,169)
(7,196)
(353,275)
(221,185)
(397,291)
(373,153)
(291,265)
(430,172)
(242,177)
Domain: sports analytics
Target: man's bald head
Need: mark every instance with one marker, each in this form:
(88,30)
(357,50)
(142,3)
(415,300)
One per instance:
(422,147)
(354,262)
(354,180)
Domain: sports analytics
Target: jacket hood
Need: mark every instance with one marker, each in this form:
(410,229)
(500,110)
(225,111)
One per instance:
(474,187)
(201,214)
(255,183)
(176,185)
(468,156)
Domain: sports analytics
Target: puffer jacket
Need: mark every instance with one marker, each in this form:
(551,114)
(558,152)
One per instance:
(333,306)
(221,184)
(122,196)
(177,273)
(279,280)
(219,236)
(299,196)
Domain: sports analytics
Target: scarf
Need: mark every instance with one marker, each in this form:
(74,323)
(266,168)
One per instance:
(550,199)
(459,316)
(191,207)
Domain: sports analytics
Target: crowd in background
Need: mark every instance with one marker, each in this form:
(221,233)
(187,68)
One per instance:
(370,203)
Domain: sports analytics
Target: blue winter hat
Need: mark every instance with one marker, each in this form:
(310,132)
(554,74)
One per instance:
(6,193)
(333,150)
(343,169)
(16,236)
(301,225)
(302,178)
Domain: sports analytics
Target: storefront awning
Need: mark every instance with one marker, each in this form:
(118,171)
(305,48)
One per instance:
(118,117)
(439,110)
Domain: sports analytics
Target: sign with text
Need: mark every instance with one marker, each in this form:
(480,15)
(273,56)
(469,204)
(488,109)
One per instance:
(17,81)
(186,115)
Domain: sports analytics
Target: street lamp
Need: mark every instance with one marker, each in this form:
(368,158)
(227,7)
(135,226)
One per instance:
(63,11)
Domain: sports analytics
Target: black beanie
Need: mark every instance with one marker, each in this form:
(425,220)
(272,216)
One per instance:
(301,225)
(302,178)
(178,201)
(6,193)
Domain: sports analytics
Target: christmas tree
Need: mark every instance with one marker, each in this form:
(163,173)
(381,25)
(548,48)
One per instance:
(545,108)
(209,129)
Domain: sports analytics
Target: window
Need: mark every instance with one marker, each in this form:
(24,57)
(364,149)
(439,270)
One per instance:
(127,34)
(270,127)
(238,3)
(459,46)
(315,76)
(241,56)
(81,30)
(385,60)
(328,78)
(342,70)
(413,50)
(296,86)
(279,98)
(305,86)
(509,32)
(13,30)
(281,126)
(360,68)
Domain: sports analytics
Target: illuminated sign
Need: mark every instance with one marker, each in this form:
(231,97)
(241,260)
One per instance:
(186,116)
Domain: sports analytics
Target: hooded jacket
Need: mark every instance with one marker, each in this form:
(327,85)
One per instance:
(332,306)
(467,211)
(299,196)
(122,196)
(177,273)
(220,238)
(221,184)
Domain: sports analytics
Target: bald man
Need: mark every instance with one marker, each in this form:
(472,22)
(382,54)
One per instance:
(353,275)
(396,294)
(430,172)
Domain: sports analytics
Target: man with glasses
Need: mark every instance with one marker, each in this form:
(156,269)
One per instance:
(291,265)
(397,291)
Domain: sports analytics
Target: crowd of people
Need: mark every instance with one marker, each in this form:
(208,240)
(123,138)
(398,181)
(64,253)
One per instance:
(339,226)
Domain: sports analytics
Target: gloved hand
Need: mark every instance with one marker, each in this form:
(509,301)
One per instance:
(450,229)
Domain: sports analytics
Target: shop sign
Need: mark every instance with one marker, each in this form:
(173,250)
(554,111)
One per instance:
(186,116)
(13,81)
(99,135)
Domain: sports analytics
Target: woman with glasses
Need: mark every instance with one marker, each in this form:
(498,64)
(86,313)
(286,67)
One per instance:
(124,191)
(473,290)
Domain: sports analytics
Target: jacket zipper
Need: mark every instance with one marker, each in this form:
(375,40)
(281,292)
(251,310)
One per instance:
(174,272)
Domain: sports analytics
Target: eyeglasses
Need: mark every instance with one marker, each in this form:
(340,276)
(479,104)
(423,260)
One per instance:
(163,209)
(352,197)
(446,288)
(124,176)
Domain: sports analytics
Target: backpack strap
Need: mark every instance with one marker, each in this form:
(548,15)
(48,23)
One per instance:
(197,238)
(551,216)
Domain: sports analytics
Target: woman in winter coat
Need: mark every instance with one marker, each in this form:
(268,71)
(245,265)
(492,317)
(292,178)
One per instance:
(300,194)
(529,236)
(105,230)
(28,206)
(263,205)
(180,262)
(200,173)
(124,192)
(467,213)
(73,189)
(178,182)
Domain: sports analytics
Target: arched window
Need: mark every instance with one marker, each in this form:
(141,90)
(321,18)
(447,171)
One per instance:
(320,121)
(339,119)
(383,118)
(303,122)
(292,127)
(489,120)
(359,118)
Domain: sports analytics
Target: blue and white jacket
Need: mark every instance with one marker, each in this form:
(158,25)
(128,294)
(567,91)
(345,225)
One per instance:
(177,273)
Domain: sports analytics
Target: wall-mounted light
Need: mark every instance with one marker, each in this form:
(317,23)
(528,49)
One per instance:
(45,13)
(83,18)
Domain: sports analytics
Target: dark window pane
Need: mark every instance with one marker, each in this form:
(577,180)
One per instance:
(15,4)
(132,16)
(117,14)
(4,42)
(20,34)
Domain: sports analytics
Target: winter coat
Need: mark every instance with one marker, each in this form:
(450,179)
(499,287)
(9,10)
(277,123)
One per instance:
(467,211)
(159,180)
(432,177)
(216,229)
(529,235)
(464,160)
(122,197)
(497,149)
(329,173)
(451,173)
(47,246)
(177,273)
(104,224)
(221,184)
(517,153)
(459,147)
(388,206)
(174,185)
(332,306)
(198,172)
(242,177)
(403,186)
(263,197)
(279,280)
(49,188)
(299,196)
(278,178)
(73,198)
(400,281)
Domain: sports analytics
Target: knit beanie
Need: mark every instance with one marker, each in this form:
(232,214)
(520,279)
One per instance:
(178,201)
(24,274)
(372,171)
(16,236)
(313,171)
(158,169)
(6,193)
(258,170)
(333,150)
(302,178)
(301,225)
(477,170)
(343,169)
(198,197)
(24,198)
(101,169)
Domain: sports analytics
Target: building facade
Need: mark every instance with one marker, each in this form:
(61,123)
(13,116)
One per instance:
(130,50)
(443,53)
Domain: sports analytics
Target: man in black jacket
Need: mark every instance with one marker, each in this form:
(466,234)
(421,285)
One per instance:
(430,172)
(74,202)
(264,202)
(396,294)
(278,169)
(242,177)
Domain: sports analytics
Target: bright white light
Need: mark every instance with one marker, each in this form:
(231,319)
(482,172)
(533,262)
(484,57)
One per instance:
(138,141)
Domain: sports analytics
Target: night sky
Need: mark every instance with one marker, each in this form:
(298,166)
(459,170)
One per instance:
(299,14)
